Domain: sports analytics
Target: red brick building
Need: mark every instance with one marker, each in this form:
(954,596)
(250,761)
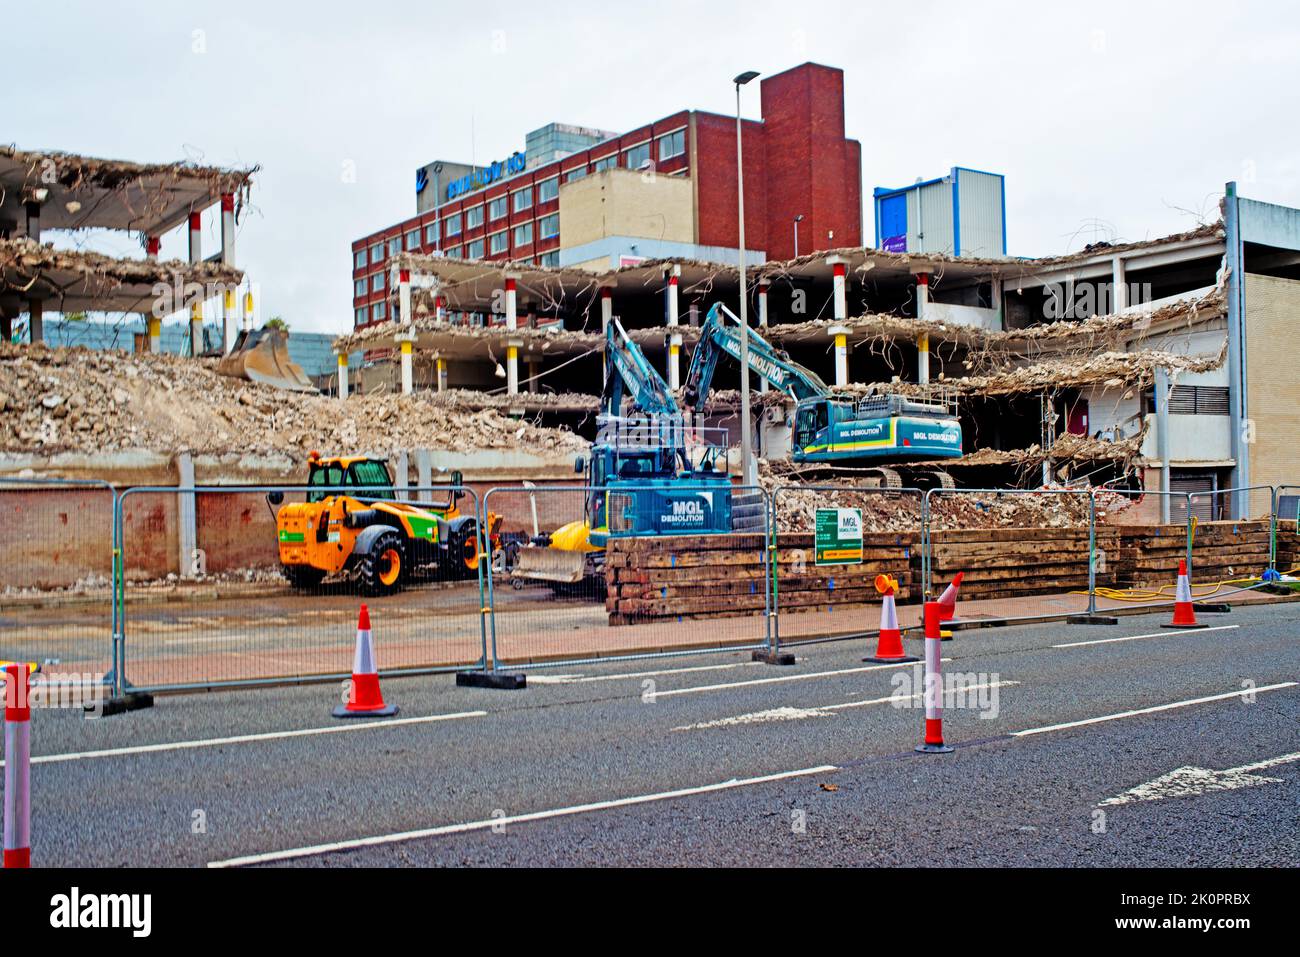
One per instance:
(798,163)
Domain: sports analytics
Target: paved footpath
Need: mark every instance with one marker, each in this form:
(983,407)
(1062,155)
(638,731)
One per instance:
(1124,744)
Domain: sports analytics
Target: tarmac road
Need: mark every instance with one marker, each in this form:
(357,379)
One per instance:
(844,786)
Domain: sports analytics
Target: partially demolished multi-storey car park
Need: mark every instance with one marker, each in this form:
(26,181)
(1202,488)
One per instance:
(53,191)
(1054,361)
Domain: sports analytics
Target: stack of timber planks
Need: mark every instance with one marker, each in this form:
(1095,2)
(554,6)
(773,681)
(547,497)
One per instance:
(1149,554)
(716,576)
(1005,562)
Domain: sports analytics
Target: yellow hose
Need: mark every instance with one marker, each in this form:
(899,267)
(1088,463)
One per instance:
(1167,592)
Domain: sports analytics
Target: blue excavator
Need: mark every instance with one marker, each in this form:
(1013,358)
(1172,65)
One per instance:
(649,473)
(871,437)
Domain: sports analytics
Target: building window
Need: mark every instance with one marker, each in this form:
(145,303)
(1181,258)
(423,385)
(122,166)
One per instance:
(549,226)
(431,234)
(360,317)
(474,250)
(453,224)
(605,162)
(1199,400)
(637,156)
(576,173)
(395,245)
(377,311)
(359,259)
(523,199)
(413,240)
(548,189)
(524,234)
(672,144)
(359,287)
(377,282)
(549,259)
(377,252)
(474,217)
(455,252)
(497,208)
(500,242)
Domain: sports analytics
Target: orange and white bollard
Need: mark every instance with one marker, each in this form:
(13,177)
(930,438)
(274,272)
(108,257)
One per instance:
(1184,610)
(364,697)
(18,758)
(933,683)
(889,644)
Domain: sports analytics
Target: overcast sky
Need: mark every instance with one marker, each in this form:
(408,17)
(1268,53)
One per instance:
(1111,121)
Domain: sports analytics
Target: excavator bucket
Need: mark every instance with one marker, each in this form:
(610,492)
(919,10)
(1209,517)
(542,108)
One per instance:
(262,355)
(541,563)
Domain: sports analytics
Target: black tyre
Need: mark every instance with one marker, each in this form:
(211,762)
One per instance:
(463,552)
(302,576)
(382,569)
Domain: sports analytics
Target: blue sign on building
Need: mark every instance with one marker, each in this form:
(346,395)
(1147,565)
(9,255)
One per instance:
(485,176)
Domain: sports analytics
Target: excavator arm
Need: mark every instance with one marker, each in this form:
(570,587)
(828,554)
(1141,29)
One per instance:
(718,337)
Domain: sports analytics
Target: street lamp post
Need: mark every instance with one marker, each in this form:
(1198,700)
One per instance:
(749,467)
(797,220)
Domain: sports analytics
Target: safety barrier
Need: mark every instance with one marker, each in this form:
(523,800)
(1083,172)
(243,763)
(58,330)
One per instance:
(553,600)
(823,582)
(204,602)
(56,573)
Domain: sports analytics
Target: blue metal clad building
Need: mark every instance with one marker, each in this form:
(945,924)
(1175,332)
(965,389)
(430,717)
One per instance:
(961,214)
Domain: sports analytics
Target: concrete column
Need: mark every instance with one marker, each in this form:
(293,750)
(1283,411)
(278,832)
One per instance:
(997,303)
(839,268)
(229,328)
(1161,391)
(439,309)
(532,365)
(248,311)
(606,314)
(404,294)
(36,320)
(512,366)
(196,329)
(402,480)
(512,304)
(1119,285)
(424,474)
(191,563)
(406,344)
(674,338)
(196,237)
(343,375)
(440,372)
(228,229)
(763,285)
(841,335)
(923,340)
(153,323)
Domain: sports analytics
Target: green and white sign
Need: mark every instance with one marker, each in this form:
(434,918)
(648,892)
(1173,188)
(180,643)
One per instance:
(839,536)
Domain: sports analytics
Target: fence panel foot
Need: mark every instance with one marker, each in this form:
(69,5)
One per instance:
(773,657)
(501,680)
(1092,620)
(131,701)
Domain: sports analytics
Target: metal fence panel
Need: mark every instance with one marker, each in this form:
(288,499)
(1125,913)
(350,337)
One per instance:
(817,597)
(1023,553)
(206,601)
(56,574)
(639,596)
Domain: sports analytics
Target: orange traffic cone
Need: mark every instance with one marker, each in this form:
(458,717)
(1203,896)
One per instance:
(948,600)
(1184,611)
(364,698)
(889,646)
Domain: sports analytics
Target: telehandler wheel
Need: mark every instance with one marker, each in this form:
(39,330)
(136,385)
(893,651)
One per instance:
(382,570)
(303,576)
(462,551)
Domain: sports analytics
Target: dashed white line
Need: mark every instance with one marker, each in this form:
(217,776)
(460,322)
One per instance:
(355,724)
(1160,707)
(770,681)
(1154,634)
(318,849)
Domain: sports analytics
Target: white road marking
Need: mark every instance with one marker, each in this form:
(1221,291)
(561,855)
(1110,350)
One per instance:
(1192,781)
(575,679)
(445,829)
(354,724)
(769,681)
(827,710)
(1160,707)
(1154,634)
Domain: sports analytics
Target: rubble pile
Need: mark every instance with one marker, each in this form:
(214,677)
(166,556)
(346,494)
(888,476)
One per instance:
(81,400)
